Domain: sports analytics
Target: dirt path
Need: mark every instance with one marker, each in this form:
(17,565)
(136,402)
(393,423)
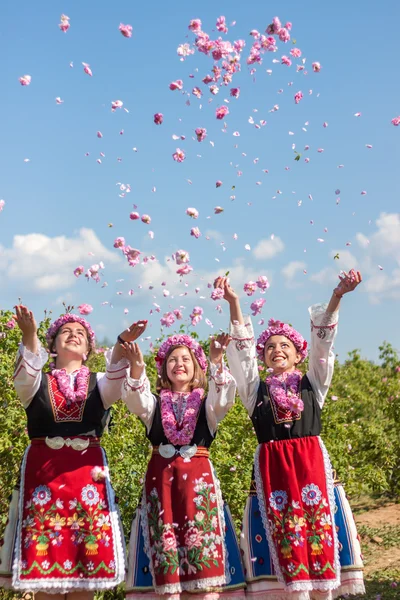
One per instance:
(387,520)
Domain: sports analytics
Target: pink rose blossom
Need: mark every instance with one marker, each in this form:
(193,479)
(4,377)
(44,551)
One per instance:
(201,133)
(132,255)
(126,30)
(296,52)
(263,283)
(196,315)
(286,61)
(218,183)
(64,25)
(221,25)
(179,155)
(298,96)
(85,309)
(158,118)
(284,35)
(184,270)
(275,26)
(221,112)
(25,80)
(119,242)
(235,92)
(218,210)
(184,50)
(214,89)
(181,257)
(239,45)
(396,121)
(87,69)
(168,319)
(195,232)
(116,104)
(176,85)
(78,271)
(134,216)
(250,287)
(146,219)
(217,294)
(207,79)
(195,25)
(196,91)
(288,25)
(257,305)
(316,67)
(192,212)
(10,324)
(178,314)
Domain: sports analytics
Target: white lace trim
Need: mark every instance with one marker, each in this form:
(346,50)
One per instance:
(320,317)
(55,585)
(173,588)
(135,384)
(263,511)
(123,363)
(36,361)
(244,331)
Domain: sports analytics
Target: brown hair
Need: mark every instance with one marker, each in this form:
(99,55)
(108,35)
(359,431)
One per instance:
(90,343)
(199,379)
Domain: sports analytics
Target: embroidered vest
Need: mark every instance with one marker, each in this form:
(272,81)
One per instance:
(272,423)
(201,437)
(49,414)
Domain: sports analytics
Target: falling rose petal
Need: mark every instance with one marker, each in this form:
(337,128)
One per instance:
(116,104)
(146,219)
(320,240)
(85,309)
(218,183)
(134,216)
(380,267)
(358,114)
(368,145)
(363,193)
(297,97)
(126,30)
(176,85)
(2,204)
(99,134)
(218,210)
(59,101)
(395,121)
(158,118)
(195,232)
(87,69)
(247,247)
(192,212)
(25,80)
(65,24)
(179,155)
(221,112)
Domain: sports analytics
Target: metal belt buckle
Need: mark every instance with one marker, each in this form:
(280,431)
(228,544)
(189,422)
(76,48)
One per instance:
(188,451)
(167,450)
(59,442)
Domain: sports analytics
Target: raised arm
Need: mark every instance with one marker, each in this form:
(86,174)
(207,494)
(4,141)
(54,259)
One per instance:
(31,357)
(136,391)
(324,320)
(222,386)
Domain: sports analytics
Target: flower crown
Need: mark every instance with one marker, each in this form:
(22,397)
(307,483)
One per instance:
(69,318)
(279,328)
(181,340)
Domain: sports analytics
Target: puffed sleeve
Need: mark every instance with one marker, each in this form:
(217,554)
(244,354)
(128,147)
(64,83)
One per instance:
(221,396)
(140,401)
(110,383)
(28,372)
(322,357)
(242,360)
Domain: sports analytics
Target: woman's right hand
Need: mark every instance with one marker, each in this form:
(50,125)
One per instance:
(134,355)
(25,321)
(229,294)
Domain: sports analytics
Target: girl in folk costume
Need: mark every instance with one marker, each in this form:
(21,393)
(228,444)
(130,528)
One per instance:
(64,534)
(183,543)
(299,537)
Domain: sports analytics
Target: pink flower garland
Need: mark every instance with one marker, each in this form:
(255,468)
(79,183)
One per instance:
(284,389)
(180,435)
(63,383)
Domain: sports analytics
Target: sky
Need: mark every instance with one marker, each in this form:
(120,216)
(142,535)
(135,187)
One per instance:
(298,222)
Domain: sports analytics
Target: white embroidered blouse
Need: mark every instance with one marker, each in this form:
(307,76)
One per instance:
(242,358)
(220,398)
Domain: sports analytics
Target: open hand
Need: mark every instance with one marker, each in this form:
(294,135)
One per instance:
(134,331)
(218,347)
(25,320)
(134,355)
(229,294)
(348,282)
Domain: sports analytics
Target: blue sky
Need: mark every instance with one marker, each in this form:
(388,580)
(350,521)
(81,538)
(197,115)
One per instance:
(60,202)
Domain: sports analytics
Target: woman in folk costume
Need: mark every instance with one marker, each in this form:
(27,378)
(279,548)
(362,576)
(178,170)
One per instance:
(299,537)
(183,543)
(64,534)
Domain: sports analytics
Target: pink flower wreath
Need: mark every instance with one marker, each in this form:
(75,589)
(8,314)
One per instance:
(181,340)
(69,318)
(279,328)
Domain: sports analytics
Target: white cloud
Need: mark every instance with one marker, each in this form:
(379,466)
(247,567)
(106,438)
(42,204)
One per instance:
(268,248)
(43,263)
(290,270)
(385,242)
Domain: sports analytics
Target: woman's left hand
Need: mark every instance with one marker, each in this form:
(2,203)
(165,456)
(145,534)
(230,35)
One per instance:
(218,347)
(348,282)
(134,331)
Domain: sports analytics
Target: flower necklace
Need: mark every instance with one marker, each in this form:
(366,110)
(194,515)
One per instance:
(284,389)
(180,433)
(79,390)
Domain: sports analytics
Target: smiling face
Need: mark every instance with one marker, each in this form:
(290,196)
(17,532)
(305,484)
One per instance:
(280,354)
(71,341)
(180,369)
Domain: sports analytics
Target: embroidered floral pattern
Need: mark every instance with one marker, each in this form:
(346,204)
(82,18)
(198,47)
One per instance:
(89,525)
(305,524)
(190,548)
(42,526)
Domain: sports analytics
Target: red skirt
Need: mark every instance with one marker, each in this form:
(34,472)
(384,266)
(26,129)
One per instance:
(69,535)
(183,524)
(296,497)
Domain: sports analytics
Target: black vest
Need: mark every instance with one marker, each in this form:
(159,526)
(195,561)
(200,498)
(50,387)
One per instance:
(43,420)
(201,437)
(265,421)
